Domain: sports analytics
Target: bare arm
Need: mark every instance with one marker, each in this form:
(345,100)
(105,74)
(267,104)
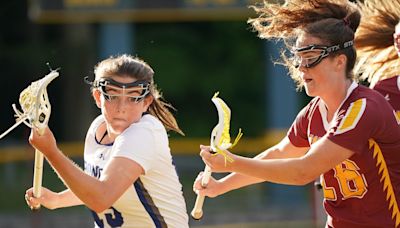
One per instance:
(294,171)
(67,198)
(97,194)
(284,149)
(52,200)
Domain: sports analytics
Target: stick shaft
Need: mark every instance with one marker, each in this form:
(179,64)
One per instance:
(197,212)
(38,173)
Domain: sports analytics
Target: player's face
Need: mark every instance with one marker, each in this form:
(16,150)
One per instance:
(315,78)
(120,106)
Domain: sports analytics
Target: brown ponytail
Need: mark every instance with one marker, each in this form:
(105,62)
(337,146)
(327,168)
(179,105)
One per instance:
(374,40)
(161,110)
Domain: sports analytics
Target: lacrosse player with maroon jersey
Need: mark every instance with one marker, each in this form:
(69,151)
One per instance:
(377,42)
(129,178)
(347,135)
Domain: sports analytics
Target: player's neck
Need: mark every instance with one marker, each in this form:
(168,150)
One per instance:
(104,135)
(335,99)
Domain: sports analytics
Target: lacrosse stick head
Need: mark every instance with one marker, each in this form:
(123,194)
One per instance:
(220,137)
(35,103)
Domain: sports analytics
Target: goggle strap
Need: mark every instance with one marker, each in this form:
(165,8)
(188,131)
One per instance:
(338,47)
(104,82)
(328,49)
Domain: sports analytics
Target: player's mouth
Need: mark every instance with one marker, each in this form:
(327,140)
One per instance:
(306,80)
(119,120)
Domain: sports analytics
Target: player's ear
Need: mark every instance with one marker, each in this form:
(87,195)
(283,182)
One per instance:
(341,62)
(147,101)
(96,96)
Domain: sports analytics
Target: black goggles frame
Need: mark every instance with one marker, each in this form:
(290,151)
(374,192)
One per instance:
(325,51)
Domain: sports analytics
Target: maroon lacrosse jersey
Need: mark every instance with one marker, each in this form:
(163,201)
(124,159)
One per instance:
(364,190)
(390,89)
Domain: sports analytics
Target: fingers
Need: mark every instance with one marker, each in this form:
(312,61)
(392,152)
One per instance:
(198,188)
(202,147)
(31,136)
(30,200)
(211,190)
(37,133)
(34,135)
(45,142)
(205,153)
(199,176)
(215,161)
(206,148)
(197,183)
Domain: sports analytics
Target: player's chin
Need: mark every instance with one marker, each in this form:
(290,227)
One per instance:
(119,128)
(310,91)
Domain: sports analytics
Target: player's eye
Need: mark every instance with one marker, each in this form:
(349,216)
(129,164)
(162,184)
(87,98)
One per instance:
(109,97)
(133,99)
(311,60)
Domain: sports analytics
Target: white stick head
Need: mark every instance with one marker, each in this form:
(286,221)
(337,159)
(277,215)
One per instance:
(220,136)
(34,103)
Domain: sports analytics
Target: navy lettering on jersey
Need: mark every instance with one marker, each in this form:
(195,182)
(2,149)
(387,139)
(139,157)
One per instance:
(94,170)
(113,217)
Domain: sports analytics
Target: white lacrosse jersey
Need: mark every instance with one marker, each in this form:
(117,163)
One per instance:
(155,199)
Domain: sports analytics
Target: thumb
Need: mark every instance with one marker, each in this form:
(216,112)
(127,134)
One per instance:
(35,201)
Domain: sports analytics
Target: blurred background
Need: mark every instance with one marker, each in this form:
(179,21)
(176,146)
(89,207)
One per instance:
(196,47)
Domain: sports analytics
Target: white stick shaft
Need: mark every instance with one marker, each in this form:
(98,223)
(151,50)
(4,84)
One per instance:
(12,127)
(206,176)
(37,175)
(197,212)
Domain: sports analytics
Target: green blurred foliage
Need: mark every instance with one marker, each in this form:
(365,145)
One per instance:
(192,61)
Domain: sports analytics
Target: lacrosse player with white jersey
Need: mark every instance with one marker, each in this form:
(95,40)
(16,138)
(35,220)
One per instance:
(129,179)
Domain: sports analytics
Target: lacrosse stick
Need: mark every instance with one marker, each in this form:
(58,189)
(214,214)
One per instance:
(220,140)
(35,113)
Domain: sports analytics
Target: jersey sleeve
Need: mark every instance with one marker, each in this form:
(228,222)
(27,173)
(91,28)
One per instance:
(356,124)
(297,133)
(137,144)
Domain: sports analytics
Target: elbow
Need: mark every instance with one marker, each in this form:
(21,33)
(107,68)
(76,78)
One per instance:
(303,182)
(302,178)
(98,210)
(299,182)
(100,207)
(303,173)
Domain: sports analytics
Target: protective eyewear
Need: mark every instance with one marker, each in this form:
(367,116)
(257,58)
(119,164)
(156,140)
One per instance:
(311,55)
(113,90)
